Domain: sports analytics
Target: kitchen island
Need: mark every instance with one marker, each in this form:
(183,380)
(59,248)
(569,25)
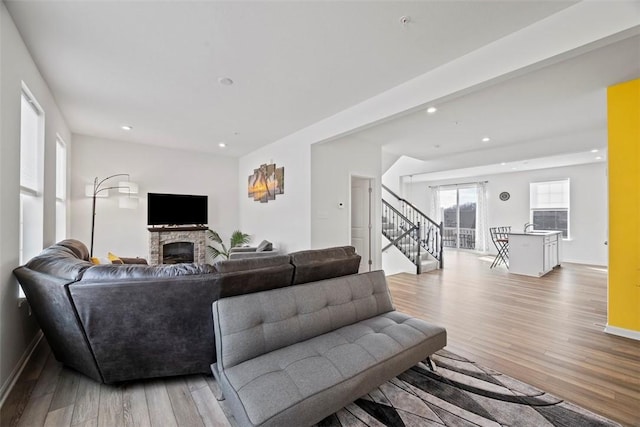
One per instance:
(534,253)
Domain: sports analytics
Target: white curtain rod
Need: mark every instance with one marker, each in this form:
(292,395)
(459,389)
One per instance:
(457,185)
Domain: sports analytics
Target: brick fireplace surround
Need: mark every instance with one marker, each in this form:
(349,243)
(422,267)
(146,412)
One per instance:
(161,236)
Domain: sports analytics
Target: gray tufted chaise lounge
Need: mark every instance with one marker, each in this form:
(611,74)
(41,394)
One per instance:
(293,356)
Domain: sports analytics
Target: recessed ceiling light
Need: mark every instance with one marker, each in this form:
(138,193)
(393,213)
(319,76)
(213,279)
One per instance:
(225,81)
(503,163)
(598,158)
(595,150)
(514,168)
(486,139)
(222,145)
(431,110)
(126,127)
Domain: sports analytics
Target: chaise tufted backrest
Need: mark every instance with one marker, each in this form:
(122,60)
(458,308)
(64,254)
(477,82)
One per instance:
(247,326)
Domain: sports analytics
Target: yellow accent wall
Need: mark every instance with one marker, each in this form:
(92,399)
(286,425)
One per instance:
(624,205)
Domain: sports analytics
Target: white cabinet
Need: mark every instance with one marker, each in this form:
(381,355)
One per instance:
(551,258)
(534,254)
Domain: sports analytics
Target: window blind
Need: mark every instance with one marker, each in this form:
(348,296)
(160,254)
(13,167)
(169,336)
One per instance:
(29,145)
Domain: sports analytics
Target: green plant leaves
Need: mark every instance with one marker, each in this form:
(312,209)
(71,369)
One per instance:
(217,248)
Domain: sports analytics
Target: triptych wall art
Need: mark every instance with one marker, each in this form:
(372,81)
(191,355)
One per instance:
(266,183)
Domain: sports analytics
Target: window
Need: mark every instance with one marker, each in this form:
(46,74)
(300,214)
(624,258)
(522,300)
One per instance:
(31,176)
(61,189)
(549,204)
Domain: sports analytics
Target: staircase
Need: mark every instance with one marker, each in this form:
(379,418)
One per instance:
(416,235)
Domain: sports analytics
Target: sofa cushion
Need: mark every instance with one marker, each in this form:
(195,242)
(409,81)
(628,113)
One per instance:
(319,264)
(318,255)
(141,271)
(234,265)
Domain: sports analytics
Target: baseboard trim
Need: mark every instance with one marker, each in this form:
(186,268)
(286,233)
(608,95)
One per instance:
(8,385)
(621,332)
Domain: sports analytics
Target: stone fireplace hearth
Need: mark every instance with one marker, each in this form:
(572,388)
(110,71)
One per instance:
(171,245)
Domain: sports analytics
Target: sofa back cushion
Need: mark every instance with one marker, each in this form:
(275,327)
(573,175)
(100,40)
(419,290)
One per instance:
(319,264)
(107,272)
(247,326)
(244,264)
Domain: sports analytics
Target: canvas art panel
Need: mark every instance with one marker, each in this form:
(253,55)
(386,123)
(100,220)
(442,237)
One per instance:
(265,183)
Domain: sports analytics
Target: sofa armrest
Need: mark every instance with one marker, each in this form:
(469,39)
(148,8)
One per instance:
(56,315)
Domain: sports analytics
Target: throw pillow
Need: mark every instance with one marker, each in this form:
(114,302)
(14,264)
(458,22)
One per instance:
(265,245)
(97,261)
(114,258)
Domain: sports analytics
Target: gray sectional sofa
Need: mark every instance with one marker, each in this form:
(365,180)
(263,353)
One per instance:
(292,356)
(123,322)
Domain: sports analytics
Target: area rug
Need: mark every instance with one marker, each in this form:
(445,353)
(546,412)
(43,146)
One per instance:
(460,393)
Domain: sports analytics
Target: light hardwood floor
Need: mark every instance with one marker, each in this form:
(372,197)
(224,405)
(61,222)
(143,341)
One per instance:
(546,332)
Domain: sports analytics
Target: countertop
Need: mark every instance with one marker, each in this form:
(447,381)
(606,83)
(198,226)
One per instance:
(536,233)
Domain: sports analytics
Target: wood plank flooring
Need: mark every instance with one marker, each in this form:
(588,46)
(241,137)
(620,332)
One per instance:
(546,332)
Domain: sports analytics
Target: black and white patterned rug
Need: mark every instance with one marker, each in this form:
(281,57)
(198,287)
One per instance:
(460,393)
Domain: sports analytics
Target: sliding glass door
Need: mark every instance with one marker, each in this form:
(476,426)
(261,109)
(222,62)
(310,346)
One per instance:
(458,212)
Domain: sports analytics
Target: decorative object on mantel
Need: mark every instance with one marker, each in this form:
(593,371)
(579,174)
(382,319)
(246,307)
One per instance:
(238,238)
(266,182)
(100,188)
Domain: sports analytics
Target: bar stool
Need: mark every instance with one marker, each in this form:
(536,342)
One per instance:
(500,237)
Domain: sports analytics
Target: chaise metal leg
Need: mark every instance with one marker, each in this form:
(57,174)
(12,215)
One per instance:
(431,364)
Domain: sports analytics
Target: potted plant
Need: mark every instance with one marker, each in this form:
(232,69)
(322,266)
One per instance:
(217,248)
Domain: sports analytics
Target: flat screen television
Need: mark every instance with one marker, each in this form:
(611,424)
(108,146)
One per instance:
(176,209)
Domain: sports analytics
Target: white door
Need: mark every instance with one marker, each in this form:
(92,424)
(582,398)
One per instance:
(361,220)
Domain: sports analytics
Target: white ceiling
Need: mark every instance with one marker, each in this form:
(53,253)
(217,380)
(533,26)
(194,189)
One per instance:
(550,117)
(155,65)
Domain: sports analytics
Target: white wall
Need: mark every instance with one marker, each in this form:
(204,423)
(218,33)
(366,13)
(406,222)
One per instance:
(285,220)
(588,206)
(156,170)
(332,165)
(394,261)
(17,328)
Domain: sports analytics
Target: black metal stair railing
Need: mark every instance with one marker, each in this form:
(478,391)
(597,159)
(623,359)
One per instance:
(401,233)
(419,232)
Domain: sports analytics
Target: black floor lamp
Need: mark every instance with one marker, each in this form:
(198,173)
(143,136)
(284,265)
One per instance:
(97,189)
